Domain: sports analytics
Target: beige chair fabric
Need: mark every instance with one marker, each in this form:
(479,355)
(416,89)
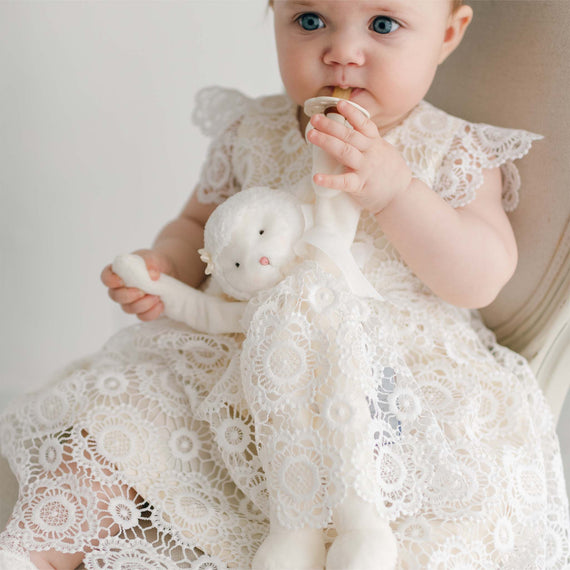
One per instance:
(8,492)
(514,71)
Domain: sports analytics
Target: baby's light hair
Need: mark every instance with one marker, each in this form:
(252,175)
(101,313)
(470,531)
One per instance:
(455,4)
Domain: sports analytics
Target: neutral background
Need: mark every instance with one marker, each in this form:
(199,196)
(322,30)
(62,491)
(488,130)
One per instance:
(98,151)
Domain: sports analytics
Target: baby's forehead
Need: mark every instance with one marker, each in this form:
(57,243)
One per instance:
(388,7)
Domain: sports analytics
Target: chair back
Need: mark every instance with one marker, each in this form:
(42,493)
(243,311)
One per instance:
(513,70)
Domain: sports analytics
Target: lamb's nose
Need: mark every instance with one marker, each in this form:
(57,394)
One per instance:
(264,260)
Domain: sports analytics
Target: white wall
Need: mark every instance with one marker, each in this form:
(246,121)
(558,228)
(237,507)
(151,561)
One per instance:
(97,151)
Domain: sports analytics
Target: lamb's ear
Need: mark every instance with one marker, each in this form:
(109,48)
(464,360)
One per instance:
(207,259)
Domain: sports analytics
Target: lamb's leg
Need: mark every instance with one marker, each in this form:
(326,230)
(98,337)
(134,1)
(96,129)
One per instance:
(197,309)
(365,540)
(291,549)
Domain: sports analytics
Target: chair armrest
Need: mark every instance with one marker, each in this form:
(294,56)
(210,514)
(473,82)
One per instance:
(8,492)
(551,364)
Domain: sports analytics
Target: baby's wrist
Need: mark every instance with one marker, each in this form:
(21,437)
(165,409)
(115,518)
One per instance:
(399,192)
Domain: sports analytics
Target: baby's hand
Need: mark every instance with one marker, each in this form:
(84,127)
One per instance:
(374,170)
(132,300)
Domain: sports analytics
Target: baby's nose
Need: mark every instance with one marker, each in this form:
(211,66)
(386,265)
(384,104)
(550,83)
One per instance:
(264,260)
(345,49)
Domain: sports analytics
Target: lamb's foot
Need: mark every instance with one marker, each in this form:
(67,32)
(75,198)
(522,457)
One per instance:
(363,550)
(365,540)
(301,549)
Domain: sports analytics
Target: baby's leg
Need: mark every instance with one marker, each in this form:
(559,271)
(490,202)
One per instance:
(53,560)
(57,560)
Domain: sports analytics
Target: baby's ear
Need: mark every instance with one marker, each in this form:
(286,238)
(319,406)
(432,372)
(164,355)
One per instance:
(456,26)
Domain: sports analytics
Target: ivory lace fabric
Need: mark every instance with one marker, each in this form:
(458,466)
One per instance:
(172,449)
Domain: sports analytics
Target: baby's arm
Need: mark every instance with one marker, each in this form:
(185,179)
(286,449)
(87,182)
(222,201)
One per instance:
(465,255)
(174,253)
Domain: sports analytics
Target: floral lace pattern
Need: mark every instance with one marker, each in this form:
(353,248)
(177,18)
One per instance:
(449,154)
(172,449)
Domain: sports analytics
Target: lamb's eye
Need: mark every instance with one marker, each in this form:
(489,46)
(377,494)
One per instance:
(261,232)
(237,263)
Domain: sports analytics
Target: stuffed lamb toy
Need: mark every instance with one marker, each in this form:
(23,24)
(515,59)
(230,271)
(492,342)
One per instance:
(249,245)
(251,242)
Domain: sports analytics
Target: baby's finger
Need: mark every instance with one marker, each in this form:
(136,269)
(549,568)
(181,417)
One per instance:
(153,270)
(141,306)
(344,152)
(153,313)
(348,182)
(340,131)
(155,263)
(126,295)
(111,279)
(357,119)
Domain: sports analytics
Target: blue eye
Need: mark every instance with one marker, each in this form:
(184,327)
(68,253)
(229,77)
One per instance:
(310,22)
(384,25)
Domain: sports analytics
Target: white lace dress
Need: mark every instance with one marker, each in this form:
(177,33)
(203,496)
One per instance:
(218,433)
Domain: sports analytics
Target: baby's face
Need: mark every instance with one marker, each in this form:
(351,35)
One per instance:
(387,51)
(260,249)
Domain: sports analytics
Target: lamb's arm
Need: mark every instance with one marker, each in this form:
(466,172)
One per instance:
(336,216)
(197,309)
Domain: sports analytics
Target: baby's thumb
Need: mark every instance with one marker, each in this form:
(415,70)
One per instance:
(153,272)
(152,263)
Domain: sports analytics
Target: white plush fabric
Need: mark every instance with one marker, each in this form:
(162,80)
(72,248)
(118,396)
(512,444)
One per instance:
(465,459)
(232,235)
(202,311)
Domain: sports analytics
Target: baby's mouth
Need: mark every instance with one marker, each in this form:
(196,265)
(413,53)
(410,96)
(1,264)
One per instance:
(343,92)
(264,260)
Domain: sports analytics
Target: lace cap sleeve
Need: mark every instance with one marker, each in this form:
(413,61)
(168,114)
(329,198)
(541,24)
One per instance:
(217,107)
(476,147)
(218,113)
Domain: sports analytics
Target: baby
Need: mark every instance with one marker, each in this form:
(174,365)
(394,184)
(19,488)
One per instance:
(174,444)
